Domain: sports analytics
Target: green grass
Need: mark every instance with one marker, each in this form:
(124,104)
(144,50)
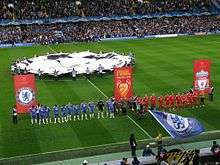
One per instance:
(163,65)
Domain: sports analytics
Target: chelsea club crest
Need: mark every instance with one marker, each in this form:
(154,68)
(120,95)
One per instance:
(178,123)
(25,95)
(181,125)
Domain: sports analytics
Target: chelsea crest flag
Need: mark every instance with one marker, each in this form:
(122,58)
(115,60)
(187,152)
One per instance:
(178,126)
(25,92)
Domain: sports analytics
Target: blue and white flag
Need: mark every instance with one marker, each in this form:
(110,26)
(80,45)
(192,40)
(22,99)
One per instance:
(178,126)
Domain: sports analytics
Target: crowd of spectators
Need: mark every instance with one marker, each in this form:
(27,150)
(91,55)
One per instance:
(94,31)
(176,156)
(215,149)
(37,9)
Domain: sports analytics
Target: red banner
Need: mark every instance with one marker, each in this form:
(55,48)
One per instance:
(123,83)
(25,92)
(202,76)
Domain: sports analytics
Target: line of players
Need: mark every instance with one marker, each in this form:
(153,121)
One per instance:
(169,102)
(43,114)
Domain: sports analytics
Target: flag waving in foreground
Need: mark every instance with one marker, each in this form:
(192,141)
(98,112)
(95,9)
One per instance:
(178,126)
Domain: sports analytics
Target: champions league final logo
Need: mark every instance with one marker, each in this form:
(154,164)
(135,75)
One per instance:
(25,96)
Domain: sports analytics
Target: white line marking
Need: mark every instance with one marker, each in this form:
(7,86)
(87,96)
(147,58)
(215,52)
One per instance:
(87,79)
(52,49)
(140,127)
(213,131)
(80,148)
(97,88)
(71,149)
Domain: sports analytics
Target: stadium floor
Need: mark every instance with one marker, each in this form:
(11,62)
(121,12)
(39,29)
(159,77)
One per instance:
(162,66)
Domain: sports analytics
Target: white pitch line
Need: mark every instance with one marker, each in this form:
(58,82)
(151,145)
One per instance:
(52,49)
(71,149)
(97,88)
(87,79)
(78,148)
(213,131)
(140,127)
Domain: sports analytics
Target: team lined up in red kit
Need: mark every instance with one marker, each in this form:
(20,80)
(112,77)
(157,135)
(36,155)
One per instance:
(170,101)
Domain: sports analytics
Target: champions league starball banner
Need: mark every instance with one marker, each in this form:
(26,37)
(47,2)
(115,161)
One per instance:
(123,83)
(178,126)
(63,63)
(25,92)
(202,76)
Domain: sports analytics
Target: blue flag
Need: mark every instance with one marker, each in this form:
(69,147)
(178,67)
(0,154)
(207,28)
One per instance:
(178,126)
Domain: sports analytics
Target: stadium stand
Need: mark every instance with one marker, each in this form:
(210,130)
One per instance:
(95,31)
(29,9)
(90,31)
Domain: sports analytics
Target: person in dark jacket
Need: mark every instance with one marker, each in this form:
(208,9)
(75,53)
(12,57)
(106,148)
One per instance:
(148,151)
(215,149)
(124,161)
(133,144)
(135,161)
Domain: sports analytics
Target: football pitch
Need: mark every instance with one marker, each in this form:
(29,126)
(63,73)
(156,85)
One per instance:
(162,66)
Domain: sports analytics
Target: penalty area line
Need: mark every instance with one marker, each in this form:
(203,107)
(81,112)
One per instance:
(140,127)
(97,89)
